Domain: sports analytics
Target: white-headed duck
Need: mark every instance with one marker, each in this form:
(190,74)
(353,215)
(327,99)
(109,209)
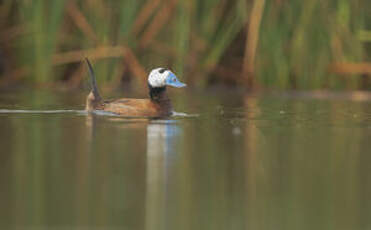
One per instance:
(158,105)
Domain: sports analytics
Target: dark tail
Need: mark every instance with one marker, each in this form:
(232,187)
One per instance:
(94,88)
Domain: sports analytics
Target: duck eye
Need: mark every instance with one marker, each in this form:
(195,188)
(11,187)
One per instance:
(162,70)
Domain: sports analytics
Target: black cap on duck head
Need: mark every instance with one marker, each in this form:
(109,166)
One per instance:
(161,77)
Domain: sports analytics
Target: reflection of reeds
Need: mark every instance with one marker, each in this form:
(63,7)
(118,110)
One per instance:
(294,175)
(286,44)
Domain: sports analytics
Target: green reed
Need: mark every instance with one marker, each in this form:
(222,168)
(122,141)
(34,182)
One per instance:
(43,20)
(298,40)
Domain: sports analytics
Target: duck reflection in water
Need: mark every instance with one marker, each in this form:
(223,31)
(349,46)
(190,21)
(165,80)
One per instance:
(162,139)
(161,154)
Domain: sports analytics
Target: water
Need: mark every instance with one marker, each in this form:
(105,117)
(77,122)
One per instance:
(266,161)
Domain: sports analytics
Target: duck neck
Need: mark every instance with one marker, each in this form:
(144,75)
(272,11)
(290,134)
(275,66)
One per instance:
(158,94)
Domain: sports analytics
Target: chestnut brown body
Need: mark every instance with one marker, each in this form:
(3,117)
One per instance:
(153,107)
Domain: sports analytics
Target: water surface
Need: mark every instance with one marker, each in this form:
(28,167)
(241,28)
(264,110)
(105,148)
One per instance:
(264,161)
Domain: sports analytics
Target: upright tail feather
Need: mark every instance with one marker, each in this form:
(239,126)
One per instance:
(94,88)
(94,100)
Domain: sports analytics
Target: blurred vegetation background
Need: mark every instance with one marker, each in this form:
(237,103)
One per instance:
(281,44)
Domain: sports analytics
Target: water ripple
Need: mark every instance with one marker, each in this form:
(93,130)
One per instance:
(22,111)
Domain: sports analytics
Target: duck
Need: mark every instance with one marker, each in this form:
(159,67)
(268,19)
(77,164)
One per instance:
(157,105)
